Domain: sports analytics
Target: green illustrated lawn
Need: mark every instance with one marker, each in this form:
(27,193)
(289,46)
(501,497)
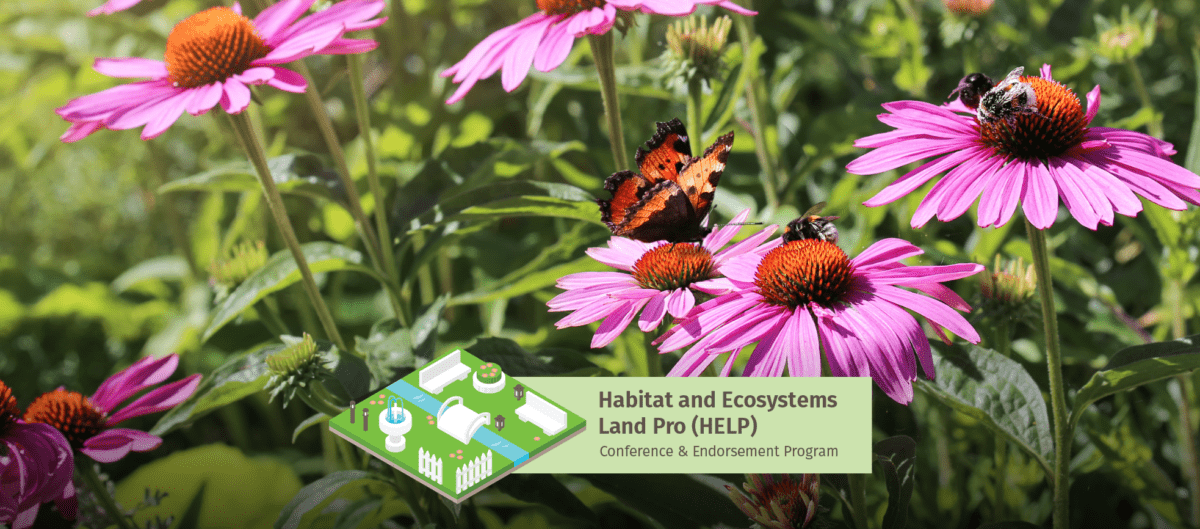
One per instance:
(433,449)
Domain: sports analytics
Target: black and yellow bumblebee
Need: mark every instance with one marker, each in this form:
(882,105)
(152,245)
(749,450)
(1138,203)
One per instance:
(811,225)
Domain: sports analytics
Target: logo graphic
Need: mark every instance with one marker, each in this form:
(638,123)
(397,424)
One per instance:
(441,424)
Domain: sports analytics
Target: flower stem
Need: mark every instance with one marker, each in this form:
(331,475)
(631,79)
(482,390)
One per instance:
(87,471)
(245,132)
(858,499)
(314,401)
(386,251)
(695,107)
(755,90)
(602,54)
(1058,401)
(354,202)
(1187,433)
(1154,127)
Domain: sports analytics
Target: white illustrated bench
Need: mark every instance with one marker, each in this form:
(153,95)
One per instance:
(441,372)
(542,414)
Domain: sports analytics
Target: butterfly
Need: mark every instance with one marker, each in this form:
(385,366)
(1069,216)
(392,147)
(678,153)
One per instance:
(811,225)
(672,195)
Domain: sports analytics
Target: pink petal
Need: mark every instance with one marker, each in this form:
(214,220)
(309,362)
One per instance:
(902,153)
(236,97)
(555,47)
(160,399)
(112,6)
(273,19)
(131,67)
(615,323)
(519,56)
(1001,195)
(680,302)
(1093,105)
(1040,199)
(147,371)
(720,237)
(931,309)
(113,444)
(917,177)
(652,315)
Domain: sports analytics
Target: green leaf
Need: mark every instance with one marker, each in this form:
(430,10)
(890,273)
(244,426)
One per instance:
(314,496)
(1134,366)
(352,374)
(530,282)
(896,457)
(548,491)
(680,501)
(1192,161)
(237,378)
(388,348)
(167,267)
(995,390)
(191,517)
(280,272)
(239,177)
(522,198)
(235,490)
(311,421)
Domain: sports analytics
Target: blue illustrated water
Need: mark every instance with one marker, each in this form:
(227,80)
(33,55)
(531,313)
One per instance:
(392,416)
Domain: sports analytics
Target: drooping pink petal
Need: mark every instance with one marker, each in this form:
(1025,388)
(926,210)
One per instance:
(236,97)
(519,56)
(113,444)
(147,371)
(1040,197)
(917,177)
(1076,195)
(721,236)
(652,315)
(972,177)
(615,323)
(159,399)
(844,353)
(931,309)
(279,15)
(680,302)
(1002,194)
(899,154)
(555,47)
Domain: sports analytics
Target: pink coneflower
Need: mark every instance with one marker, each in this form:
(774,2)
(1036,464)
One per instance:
(36,466)
(112,6)
(88,422)
(658,277)
(1033,160)
(212,57)
(544,39)
(806,295)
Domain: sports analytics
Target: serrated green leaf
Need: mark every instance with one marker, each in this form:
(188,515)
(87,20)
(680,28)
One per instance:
(280,272)
(237,378)
(1134,366)
(996,391)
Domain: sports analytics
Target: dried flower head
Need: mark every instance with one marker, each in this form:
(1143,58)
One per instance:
(779,502)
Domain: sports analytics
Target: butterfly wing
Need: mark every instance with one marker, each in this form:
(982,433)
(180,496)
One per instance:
(666,153)
(699,176)
(663,213)
(627,188)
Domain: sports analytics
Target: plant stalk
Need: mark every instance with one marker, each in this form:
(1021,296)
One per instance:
(695,107)
(386,248)
(1058,400)
(85,469)
(754,87)
(602,54)
(325,125)
(245,132)
(1154,127)
(858,499)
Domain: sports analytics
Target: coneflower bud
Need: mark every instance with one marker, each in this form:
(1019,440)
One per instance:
(243,260)
(1124,39)
(779,502)
(1013,284)
(296,367)
(695,49)
(969,8)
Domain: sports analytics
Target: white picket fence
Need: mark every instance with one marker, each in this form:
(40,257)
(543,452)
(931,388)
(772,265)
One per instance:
(431,465)
(471,473)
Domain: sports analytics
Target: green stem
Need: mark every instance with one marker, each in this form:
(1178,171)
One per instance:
(1187,433)
(268,314)
(653,358)
(325,125)
(1154,127)
(246,134)
(386,251)
(1058,398)
(858,499)
(87,471)
(695,107)
(602,54)
(754,87)
(1001,507)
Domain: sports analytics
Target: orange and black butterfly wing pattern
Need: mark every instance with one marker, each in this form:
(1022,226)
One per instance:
(699,177)
(663,213)
(666,153)
(627,188)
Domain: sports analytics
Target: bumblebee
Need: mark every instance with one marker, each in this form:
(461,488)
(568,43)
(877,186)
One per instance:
(811,225)
(971,88)
(1007,100)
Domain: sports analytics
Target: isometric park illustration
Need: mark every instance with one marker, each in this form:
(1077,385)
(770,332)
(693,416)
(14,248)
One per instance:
(457,424)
